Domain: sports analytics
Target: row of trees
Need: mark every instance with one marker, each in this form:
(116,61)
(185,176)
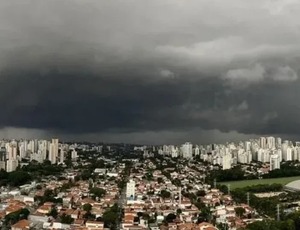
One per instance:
(15,178)
(289,222)
(14,217)
(110,216)
(287,169)
(259,188)
(233,174)
(49,196)
(38,170)
(33,170)
(265,206)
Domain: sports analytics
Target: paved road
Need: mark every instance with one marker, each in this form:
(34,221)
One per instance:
(121,202)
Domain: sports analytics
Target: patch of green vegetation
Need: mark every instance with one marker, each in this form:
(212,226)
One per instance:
(245,183)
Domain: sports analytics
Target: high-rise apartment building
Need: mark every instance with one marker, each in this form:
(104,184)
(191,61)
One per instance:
(3,158)
(274,162)
(263,142)
(271,142)
(53,151)
(226,161)
(130,189)
(187,150)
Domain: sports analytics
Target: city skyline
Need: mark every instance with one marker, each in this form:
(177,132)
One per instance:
(117,72)
(23,135)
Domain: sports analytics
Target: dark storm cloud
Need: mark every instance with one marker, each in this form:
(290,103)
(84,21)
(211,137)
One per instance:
(135,68)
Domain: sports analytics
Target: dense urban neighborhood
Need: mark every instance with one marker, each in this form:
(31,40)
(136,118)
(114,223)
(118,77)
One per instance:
(84,186)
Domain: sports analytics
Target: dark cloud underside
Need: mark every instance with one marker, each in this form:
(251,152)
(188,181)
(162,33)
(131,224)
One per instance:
(132,69)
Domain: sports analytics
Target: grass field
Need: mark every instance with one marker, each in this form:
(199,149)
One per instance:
(244,183)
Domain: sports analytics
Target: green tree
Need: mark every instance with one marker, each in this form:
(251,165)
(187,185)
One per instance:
(87,207)
(17,178)
(240,211)
(66,219)
(170,217)
(263,225)
(14,217)
(160,180)
(89,216)
(165,194)
(222,226)
(178,211)
(206,213)
(53,212)
(98,192)
(201,193)
(110,217)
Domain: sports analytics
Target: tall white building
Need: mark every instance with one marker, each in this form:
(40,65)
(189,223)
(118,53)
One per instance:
(278,142)
(289,154)
(274,162)
(130,189)
(53,151)
(247,146)
(279,153)
(3,158)
(271,142)
(42,149)
(263,142)
(260,154)
(284,148)
(187,150)
(197,150)
(226,161)
(174,152)
(62,156)
(11,165)
(74,154)
(30,146)
(39,156)
(11,149)
(22,150)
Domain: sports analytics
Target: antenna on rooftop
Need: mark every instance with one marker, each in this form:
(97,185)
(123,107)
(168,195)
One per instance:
(248,198)
(179,195)
(278,212)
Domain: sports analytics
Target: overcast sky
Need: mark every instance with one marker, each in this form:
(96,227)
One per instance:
(159,71)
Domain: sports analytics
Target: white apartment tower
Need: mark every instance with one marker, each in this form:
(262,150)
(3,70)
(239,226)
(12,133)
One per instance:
(289,154)
(12,162)
(53,151)
(30,146)
(278,142)
(174,152)
(226,161)
(247,146)
(22,150)
(197,150)
(62,156)
(271,142)
(130,189)
(187,150)
(263,142)
(74,154)
(274,162)
(11,165)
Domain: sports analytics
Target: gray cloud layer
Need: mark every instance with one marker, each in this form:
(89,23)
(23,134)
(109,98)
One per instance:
(133,69)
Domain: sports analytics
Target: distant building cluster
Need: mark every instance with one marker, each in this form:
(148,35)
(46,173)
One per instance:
(12,153)
(265,149)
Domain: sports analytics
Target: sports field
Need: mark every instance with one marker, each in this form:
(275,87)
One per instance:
(244,183)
